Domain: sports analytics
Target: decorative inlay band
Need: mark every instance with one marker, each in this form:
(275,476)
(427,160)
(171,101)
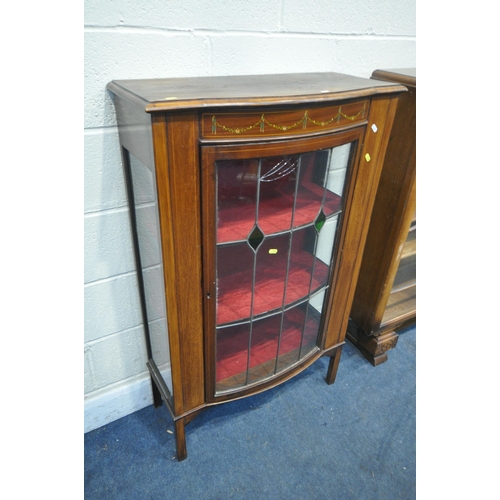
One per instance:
(284,128)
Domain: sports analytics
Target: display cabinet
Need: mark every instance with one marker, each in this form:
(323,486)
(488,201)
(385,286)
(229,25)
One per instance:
(249,198)
(385,298)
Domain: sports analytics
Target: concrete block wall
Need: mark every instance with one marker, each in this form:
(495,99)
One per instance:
(177,38)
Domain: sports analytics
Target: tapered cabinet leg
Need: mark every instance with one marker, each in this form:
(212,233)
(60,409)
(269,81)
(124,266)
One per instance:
(157,401)
(180,439)
(333,366)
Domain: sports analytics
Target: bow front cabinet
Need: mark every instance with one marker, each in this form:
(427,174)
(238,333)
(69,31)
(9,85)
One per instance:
(250,198)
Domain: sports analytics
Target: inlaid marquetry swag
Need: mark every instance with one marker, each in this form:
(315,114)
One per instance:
(250,198)
(308,120)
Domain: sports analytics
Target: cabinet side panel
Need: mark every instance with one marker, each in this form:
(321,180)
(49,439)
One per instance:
(135,131)
(136,139)
(184,177)
(391,218)
(358,215)
(146,229)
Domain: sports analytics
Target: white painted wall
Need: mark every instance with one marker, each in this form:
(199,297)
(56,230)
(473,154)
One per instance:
(176,38)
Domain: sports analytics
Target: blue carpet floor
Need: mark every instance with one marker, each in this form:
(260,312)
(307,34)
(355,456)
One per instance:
(301,440)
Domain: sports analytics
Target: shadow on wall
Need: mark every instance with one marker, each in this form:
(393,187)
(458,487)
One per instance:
(115,350)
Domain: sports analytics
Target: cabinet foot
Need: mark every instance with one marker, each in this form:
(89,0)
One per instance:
(333,366)
(373,348)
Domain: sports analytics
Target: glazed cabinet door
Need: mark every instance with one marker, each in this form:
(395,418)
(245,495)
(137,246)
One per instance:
(272,232)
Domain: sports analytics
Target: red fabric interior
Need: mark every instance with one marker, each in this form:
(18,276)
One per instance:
(235,263)
(236,223)
(237,214)
(232,342)
(237,194)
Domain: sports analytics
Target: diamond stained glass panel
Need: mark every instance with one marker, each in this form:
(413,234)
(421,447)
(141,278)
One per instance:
(255,238)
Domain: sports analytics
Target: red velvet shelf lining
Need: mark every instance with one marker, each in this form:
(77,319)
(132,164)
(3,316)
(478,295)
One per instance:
(281,271)
(237,218)
(232,342)
(235,287)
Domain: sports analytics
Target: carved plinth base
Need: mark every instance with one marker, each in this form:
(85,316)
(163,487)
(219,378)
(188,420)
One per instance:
(373,348)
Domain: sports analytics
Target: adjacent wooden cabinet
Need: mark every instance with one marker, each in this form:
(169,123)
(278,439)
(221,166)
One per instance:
(250,198)
(385,297)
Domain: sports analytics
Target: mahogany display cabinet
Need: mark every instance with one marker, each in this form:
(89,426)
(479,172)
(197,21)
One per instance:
(385,298)
(250,198)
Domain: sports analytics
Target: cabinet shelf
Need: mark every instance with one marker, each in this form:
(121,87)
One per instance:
(410,245)
(276,343)
(406,274)
(278,193)
(275,214)
(268,277)
(400,306)
(296,227)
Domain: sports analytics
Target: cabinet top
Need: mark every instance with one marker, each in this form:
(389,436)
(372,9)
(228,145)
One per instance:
(405,76)
(248,90)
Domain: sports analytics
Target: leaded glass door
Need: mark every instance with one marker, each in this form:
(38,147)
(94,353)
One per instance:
(270,250)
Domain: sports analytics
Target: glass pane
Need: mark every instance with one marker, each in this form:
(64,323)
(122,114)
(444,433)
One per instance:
(264,347)
(148,234)
(324,250)
(235,265)
(283,212)
(291,337)
(306,273)
(407,270)
(256,237)
(277,192)
(410,246)
(299,334)
(316,301)
(406,273)
(335,179)
(232,356)
(301,265)
(310,189)
(270,274)
(236,198)
(314,310)
(339,161)
(401,303)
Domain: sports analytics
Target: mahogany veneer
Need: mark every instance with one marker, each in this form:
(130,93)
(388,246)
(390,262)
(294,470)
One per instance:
(250,198)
